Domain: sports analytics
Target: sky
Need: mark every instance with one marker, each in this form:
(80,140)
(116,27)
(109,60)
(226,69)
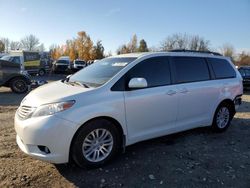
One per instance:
(115,21)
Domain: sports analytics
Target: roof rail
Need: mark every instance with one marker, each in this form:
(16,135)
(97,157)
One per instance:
(194,51)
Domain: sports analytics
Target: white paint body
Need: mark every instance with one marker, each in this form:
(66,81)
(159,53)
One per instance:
(143,114)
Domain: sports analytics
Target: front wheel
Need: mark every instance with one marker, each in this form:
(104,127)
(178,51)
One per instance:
(222,118)
(19,85)
(95,143)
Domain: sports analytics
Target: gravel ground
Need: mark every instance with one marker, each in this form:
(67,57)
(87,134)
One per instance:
(195,158)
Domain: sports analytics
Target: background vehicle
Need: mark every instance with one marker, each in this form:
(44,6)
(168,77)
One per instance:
(10,76)
(62,65)
(245,73)
(125,99)
(2,54)
(29,61)
(79,64)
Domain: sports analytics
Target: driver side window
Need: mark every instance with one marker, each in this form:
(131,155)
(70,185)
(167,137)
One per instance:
(16,60)
(155,70)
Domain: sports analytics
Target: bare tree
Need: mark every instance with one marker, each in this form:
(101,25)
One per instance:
(184,41)
(41,48)
(30,42)
(228,50)
(15,45)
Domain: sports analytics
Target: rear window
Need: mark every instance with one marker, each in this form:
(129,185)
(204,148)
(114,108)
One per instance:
(63,62)
(190,69)
(222,68)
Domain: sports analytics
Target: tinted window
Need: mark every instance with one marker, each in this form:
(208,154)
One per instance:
(190,69)
(63,61)
(16,60)
(222,68)
(247,71)
(155,70)
(242,72)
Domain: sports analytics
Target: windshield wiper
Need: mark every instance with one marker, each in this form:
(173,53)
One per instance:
(78,83)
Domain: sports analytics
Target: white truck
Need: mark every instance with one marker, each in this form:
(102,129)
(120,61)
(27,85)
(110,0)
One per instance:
(29,61)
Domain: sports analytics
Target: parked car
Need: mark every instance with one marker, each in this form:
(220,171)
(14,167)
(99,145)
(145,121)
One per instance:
(12,77)
(118,101)
(79,64)
(62,65)
(28,61)
(245,73)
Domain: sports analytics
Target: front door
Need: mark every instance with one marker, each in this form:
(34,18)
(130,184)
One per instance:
(151,111)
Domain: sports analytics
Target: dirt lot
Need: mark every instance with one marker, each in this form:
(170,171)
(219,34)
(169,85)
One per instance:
(196,158)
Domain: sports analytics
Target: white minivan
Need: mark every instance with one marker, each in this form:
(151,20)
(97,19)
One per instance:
(118,101)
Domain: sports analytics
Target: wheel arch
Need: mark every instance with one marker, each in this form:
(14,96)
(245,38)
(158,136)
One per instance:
(228,102)
(113,120)
(7,83)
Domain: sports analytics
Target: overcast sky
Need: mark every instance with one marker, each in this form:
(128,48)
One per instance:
(115,21)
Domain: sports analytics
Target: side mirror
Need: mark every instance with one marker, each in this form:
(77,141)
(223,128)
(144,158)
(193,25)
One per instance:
(137,83)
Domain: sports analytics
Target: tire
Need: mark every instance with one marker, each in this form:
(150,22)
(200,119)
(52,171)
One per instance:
(222,117)
(41,72)
(84,150)
(19,85)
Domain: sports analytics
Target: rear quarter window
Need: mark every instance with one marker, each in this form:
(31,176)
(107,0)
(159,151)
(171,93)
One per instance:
(190,69)
(222,68)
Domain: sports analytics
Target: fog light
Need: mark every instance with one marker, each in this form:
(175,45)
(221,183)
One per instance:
(44,149)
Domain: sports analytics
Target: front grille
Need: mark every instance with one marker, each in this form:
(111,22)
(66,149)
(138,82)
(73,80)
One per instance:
(24,112)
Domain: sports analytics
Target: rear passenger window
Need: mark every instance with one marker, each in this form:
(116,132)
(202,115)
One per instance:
(222,68)
(190,69)
(155,70)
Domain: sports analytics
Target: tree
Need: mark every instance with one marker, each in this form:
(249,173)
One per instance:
(41,48)
(143,46)
(2,47)
(98,51)
(184,41)
(72,50)
(15,45)
(30,42)
(55,51)
(132,45)
(244,59)
(84,45)
(228,50)
(123,50)
(6,43)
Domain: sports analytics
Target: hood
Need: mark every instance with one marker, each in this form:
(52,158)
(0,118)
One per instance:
(53,92)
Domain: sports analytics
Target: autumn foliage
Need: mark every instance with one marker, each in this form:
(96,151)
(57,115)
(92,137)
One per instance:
(81,47)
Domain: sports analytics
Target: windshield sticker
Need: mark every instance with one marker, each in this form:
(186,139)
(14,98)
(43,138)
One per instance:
(119,64)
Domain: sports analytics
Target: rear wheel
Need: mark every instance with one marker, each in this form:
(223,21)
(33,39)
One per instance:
(95,143)
(19,85)
(41,72)
(222,117)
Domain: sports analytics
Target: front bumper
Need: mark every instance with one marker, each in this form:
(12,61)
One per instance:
(51,131)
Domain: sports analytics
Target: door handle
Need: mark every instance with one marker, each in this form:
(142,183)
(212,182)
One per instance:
(183,90)
(171,92)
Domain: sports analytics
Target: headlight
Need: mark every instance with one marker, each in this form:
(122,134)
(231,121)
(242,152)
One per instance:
(52,108)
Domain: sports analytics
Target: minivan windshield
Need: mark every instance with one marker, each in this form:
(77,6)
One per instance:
(100,72)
